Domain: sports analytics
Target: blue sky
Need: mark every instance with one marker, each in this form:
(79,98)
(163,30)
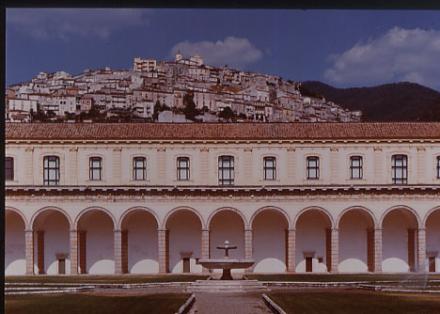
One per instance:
(341,47)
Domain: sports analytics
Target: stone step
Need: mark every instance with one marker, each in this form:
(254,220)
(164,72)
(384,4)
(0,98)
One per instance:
(211,286)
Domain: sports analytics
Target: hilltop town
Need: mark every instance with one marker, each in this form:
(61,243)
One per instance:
(181,90)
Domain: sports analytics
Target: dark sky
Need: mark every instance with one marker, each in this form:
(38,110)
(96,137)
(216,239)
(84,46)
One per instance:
(341,47)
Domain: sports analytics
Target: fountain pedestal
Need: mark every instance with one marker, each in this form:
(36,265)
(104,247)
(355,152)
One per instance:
(226,263)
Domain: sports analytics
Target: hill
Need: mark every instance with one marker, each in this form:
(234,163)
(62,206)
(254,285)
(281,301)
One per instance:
(390,102)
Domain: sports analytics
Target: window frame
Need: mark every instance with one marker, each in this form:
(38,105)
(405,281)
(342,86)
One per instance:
(359,168)
(185,169)
(143,168)
(269,169)
(310,168)
(402,168)
(10,168)
(92,168)
(48,168)
(230,168)
(438,167)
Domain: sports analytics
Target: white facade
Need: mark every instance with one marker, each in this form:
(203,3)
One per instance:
(162,224)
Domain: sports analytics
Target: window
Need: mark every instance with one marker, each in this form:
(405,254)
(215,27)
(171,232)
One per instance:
(313,168)
(438,167)
(139,168)
(226,170)
(9,169)
(399,169)
(356,164)
(182,168)
(269,168)
(95,168)
(51,170)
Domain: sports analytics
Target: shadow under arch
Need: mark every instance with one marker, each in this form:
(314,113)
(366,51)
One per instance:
(278,210)
(183,208)
(314,208)
(428,214)
(50,208)
(402,208)
(363,209)
(226,209)
(19,213)
(133,210)
(94,208)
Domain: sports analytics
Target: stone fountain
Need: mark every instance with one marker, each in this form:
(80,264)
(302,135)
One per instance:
(226,263)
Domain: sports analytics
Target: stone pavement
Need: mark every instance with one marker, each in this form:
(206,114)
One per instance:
(225,303)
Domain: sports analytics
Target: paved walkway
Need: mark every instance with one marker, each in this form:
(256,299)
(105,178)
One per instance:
(223,303)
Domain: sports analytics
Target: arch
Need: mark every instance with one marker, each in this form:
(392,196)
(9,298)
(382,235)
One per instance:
(404,207)
(311,208)
(429,213)
(274,208)
(18,212)
(361,208)
(131,210)
(187,208)
(222,209)
(91,208)
(49,208)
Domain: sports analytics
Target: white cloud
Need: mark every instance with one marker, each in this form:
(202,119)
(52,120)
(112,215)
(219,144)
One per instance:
(233,51)
(398,55)
(64,23)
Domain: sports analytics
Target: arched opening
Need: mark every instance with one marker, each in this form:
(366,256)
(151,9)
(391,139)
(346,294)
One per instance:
(139,243)
(226,225)
(356,242)
(184,242)
(399,241)
(269,229)
(433,242)
(313,242)
(15,248)
(96,243)
(51,243)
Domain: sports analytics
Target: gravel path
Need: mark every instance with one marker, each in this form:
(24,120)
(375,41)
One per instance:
(223,303)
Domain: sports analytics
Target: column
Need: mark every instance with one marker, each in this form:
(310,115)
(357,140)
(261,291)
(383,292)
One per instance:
(248,246)
(421,249)
(29,248)
(291,247)
(118,251)
(73,252)
(377,250)
(335,250)
(204,251)
(161,236)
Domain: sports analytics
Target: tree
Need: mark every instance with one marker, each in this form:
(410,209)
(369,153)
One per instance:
(227,114)
(190,109)
(156,110)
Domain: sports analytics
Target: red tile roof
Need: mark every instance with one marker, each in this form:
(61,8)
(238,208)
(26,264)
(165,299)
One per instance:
(221,131)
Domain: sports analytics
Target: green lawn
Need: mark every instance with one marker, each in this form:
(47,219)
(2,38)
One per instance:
(351,301)
(104,279)
(343,277)
(91,304)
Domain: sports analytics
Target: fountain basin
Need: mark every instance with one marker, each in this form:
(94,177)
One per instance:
(226,265)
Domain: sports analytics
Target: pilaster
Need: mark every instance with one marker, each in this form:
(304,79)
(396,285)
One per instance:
(29,251)
(205,247)
(162,241)
(118,251)
(421,250)
(377,250)
(335,250)
(291,247)
(73,252)
(248,243)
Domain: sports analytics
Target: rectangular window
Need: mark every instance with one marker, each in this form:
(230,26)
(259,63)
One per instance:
(356,164)
(51,170)
(95,168)
(312,168)
(438,167)
(269,168)
(226,170)
(399,169)
(139,168)
(9,169)
(183,168)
